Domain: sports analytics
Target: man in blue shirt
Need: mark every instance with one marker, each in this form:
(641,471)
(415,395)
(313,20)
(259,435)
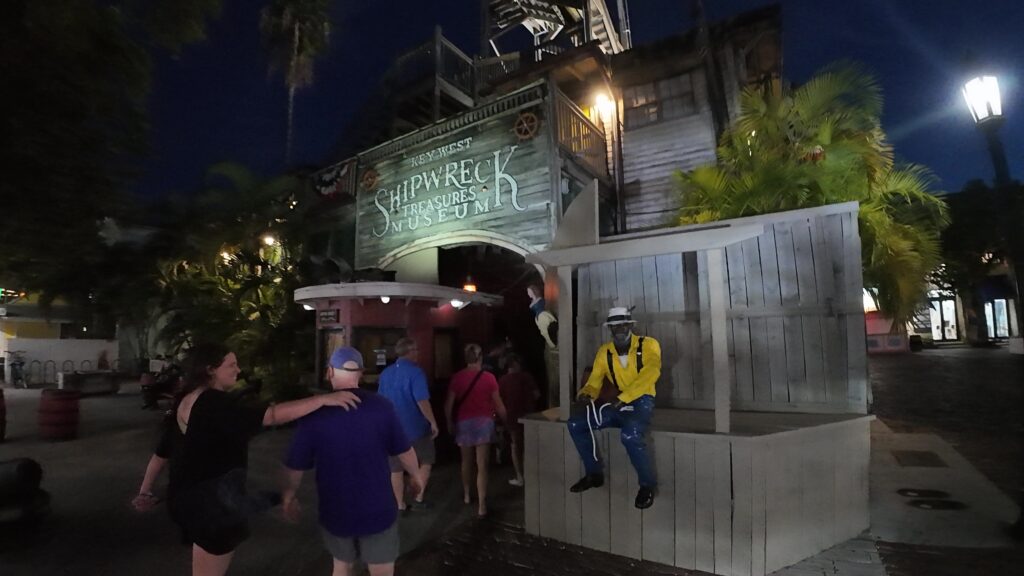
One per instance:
(405,385)
(350,452)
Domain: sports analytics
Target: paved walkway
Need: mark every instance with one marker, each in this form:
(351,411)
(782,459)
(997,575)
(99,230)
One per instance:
(973,399)
(968,399)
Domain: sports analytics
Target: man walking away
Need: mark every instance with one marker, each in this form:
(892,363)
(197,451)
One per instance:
(405,385)
(350,451)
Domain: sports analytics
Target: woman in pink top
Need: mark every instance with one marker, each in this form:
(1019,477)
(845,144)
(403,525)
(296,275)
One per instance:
(472,401)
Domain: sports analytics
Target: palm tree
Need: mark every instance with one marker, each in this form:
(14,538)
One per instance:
(295,32)
(822,143)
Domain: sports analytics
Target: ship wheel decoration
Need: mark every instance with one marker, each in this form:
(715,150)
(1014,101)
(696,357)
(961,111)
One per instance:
(526,126)
(369,179)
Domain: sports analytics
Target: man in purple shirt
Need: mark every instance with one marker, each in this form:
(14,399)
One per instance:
(350,451)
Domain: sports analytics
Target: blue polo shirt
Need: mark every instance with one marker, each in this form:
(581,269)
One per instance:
(405,384)
(350,451)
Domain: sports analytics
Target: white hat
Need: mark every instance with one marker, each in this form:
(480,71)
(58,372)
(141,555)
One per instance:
(619,315)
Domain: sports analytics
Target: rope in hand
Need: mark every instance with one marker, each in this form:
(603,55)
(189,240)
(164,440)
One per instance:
(598,420)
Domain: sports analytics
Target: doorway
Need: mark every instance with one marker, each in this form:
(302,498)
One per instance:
(447,361)
(943,320)
(377,345)
(997,319)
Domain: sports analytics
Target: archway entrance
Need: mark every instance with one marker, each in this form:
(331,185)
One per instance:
(498,270)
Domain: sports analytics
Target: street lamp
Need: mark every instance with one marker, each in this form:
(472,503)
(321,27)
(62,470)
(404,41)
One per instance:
(983,99)
(981,92)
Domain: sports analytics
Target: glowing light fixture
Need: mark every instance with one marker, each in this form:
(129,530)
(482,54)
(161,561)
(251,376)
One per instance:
(605,105)
(469,286)
(307,307)
(226,257)
(385,299)
(457,304)
(982,96)
(269,240)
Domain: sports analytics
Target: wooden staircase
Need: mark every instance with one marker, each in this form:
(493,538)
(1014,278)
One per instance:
(555,25)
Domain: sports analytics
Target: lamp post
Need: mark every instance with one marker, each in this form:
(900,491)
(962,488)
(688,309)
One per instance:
(981,92)
(983,99)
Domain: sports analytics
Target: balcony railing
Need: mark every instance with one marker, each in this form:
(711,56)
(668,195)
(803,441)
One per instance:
(471,76)
(581,137)
(455,67)
(438,56)
(493,70)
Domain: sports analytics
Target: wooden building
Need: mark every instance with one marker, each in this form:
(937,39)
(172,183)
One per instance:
(558,144)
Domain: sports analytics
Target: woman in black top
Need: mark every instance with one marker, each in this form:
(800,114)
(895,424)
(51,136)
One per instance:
(206,438)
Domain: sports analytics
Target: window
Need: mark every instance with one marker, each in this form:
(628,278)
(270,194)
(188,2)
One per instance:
(662,100)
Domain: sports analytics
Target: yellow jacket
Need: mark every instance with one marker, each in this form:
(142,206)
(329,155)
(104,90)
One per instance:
(632,384)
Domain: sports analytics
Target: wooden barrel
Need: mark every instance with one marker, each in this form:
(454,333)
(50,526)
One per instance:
(19,479)
(58,414)
(3,416)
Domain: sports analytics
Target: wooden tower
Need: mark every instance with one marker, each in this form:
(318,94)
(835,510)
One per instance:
(553,26)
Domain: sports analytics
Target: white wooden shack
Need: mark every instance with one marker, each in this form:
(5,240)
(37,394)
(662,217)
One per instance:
(761,439)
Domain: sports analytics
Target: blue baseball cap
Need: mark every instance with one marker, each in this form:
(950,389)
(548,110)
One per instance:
(346,354)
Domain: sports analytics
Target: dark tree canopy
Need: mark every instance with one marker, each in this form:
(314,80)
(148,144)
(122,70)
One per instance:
(73,128)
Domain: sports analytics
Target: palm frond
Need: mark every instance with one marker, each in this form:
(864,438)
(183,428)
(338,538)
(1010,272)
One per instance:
(818,144)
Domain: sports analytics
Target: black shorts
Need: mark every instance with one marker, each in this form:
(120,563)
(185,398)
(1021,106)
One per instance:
(206,522)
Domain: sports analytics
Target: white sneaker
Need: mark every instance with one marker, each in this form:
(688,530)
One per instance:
(516,482)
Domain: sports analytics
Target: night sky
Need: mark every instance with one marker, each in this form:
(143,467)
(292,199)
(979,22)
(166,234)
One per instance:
(215,102)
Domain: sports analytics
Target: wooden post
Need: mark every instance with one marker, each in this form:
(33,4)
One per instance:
(719,332)
(566,347)
(485,28)
(438,73)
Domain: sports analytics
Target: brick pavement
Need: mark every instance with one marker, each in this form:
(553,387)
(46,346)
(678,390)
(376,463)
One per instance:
(503,549)
(973,399)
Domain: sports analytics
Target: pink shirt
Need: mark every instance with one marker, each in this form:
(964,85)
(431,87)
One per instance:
(479,403)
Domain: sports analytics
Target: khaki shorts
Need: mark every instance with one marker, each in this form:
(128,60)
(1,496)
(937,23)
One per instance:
(424,448)
(379,548)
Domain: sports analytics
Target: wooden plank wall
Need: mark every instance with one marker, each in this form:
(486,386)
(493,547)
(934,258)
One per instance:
(796,323)
(652,154)
(737,506)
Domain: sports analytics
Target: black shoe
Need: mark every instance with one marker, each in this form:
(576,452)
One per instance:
(644,498)
(587,482)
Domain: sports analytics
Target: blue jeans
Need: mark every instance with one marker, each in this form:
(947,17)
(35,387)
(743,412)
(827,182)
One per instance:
(634,424)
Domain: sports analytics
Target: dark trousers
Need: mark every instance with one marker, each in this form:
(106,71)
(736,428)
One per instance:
(633,419)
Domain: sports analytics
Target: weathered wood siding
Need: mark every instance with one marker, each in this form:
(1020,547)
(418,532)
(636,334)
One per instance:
(796,322)
(731,505)
(652,154)
(470,173)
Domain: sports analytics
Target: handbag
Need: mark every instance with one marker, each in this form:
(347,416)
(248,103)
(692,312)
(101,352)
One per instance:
(462,398)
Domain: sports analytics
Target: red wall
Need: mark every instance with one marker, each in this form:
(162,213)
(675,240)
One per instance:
(419,318)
